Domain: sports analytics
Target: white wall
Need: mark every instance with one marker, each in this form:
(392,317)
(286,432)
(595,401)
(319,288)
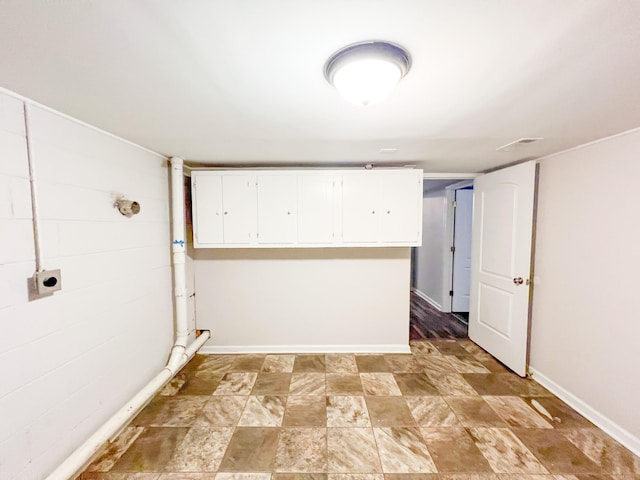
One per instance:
(429,260)
(585,324)
(69,361)
(340,299)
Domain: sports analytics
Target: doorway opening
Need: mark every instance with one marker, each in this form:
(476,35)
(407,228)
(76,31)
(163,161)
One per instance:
(441,267)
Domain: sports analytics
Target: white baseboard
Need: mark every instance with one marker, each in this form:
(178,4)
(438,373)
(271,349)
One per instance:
(223,349)
(620,434)
(427,298)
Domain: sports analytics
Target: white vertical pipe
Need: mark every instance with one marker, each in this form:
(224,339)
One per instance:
(178,245)
(37,246)
(180,354)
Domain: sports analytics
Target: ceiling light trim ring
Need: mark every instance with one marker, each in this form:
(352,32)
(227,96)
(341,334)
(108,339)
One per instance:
(373,49)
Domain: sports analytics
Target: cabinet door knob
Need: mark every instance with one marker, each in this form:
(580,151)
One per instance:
(388,212)
(226,213)
(373,212)
(288,213)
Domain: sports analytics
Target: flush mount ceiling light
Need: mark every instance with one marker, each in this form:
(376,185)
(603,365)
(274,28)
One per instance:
(367,72)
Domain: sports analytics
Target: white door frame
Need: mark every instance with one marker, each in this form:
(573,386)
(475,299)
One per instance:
(447,254)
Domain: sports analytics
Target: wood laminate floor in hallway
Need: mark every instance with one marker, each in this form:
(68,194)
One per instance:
(428,322)
(448,411)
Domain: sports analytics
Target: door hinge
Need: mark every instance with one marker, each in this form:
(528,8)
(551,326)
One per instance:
(454,204)
(453,249)
(451,293)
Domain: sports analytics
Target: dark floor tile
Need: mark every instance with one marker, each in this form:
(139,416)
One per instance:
(450,347)
(112,452)
(558,413)
(415,384)
(309,364)
(176,411)
(474,412)
(403,363)
(151,451)
(453,450)
(272,384)
(389,412)
(300,476)
(247,363)
(371,364)
(251,449)
(555,452)
(344,384)
(505,384)
(306,411)
(200,384)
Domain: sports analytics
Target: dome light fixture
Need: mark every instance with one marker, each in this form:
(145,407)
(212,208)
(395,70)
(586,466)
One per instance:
(365,73)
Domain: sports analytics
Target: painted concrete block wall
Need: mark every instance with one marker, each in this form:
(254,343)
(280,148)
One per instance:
(344,299)
(429,257)
(585,324)
(69,361)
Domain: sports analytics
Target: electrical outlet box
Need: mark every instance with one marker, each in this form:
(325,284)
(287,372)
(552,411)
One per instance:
(47,281)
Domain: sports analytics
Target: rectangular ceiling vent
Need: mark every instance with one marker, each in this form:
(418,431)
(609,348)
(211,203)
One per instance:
(521,142)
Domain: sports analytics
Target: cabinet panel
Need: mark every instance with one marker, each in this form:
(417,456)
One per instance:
(277,208)
(360,208)
(400,215)
(316,209)
(239,203)
(207,217)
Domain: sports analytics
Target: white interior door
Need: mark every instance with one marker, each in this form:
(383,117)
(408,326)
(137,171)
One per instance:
(501,263)
(461,284)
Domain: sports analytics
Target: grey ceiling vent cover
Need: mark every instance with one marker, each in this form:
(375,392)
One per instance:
(521,142)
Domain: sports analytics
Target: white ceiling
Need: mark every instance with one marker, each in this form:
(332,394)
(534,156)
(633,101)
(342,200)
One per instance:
(241,82)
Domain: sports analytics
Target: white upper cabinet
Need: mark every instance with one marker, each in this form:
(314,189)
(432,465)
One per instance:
(307,208)
(360,212)
(316,209)
(239,209)
(277,207)
(207,219)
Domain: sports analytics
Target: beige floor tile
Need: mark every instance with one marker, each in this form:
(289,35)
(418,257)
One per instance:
(402,450)
(604,451)
(236,383)
(516,412)
(341,363)
(307,384)
(403,364)
(247,363)
(302,450)
(201,450)
(352,450)
(347,411)
(263,411)
(383,384)
(222,411)
(467,365)
(451,384)
(114,450)
(278,363)
(432,411)
(175,411)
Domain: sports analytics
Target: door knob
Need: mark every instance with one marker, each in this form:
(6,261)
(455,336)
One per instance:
(518,281)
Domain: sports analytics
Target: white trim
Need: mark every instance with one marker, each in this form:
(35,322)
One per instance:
(578,147)
(620,434)
(452,176)
(216,349)
(79,122)
(427,298)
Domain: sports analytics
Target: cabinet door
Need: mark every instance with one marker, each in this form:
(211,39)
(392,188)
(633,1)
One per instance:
(239,212)
(277,208)
(207,214)
(360,208)
(315,209)
(400,208)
